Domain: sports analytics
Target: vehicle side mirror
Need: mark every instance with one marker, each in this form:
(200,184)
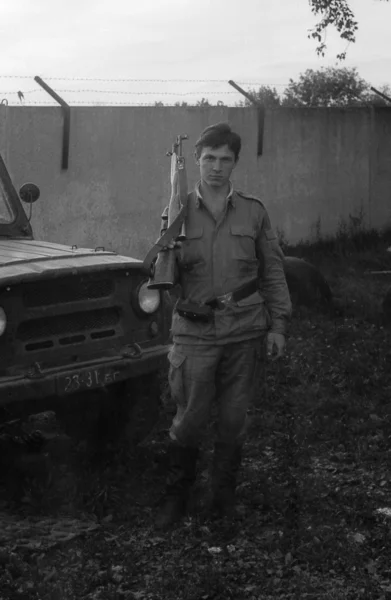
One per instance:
(29,193)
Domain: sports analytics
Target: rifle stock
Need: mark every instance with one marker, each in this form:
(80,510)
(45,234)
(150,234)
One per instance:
(163,271)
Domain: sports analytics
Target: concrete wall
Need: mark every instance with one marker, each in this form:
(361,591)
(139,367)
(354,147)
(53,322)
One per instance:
(318,165)
(316,168)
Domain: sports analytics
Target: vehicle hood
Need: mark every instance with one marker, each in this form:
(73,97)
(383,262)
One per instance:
(22,260)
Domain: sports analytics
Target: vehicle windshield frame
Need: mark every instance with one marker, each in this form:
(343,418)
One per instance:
(19,226)
(6,207)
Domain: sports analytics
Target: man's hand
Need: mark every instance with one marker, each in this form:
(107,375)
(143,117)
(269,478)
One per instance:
(174,245)
(275,345)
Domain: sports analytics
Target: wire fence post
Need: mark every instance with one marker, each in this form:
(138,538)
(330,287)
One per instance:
(381,94)
(66,109)
(261,113)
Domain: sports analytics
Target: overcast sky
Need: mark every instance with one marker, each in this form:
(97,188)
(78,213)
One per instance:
(250,41)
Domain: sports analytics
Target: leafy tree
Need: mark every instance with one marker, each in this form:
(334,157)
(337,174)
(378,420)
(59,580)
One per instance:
(335,13)
(203,103)
(326,87)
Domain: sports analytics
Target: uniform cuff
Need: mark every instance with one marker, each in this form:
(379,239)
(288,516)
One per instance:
(278,326)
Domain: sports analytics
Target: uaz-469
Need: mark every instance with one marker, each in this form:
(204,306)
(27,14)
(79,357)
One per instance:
(72,319)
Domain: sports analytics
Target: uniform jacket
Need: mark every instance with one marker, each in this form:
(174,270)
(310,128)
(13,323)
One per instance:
(219,257)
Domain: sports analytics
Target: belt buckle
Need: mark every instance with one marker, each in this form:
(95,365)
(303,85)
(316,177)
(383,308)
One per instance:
(223,301)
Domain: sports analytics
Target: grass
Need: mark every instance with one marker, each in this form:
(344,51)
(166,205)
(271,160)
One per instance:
(320,431)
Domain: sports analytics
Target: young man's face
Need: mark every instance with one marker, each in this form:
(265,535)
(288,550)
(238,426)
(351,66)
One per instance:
(216,165)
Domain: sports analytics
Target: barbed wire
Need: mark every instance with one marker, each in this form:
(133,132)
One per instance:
(16,91)
(143,93)
(256,82)
(94,103)
(122,92)
(197,96)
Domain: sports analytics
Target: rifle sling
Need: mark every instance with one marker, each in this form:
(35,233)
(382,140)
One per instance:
(171,233)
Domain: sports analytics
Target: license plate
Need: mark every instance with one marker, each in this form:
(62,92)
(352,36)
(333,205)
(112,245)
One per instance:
(86,380)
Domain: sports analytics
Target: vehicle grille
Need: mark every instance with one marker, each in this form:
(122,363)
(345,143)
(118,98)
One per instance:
(72,318)
(67,325)
(63,291)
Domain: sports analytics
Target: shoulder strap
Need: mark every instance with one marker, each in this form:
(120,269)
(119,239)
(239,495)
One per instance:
(250,197)
(170,234)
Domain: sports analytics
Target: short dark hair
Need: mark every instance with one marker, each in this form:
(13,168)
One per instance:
(218,135)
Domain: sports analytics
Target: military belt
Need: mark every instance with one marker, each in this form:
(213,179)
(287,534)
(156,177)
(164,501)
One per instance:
(239,294)
(204,312)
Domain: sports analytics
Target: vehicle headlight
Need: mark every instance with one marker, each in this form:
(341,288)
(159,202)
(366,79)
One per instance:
(3,320)
(149,300)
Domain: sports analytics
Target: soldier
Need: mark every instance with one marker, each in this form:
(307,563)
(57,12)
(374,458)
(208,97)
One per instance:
(233,293)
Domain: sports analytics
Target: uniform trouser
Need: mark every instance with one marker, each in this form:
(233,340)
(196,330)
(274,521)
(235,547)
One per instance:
(199,374)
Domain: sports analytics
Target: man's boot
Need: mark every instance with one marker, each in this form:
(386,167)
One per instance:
(181,475)
(227,459)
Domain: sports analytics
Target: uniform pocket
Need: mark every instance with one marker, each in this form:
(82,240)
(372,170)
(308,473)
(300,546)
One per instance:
(242,230)
(243,241)
(192,248)
(176,359)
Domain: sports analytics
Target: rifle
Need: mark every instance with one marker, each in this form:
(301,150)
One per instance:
(162,272)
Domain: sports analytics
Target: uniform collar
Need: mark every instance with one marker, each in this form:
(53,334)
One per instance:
(230,196)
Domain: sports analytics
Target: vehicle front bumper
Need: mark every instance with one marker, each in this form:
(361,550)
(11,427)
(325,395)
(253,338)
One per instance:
(65,381)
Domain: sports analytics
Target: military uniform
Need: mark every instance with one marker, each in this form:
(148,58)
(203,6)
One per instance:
(218,354)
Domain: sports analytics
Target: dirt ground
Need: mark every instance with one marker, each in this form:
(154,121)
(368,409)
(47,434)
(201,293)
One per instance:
(320,432)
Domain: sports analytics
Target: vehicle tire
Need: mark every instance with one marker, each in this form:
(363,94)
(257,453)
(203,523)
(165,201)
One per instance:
(129,411)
